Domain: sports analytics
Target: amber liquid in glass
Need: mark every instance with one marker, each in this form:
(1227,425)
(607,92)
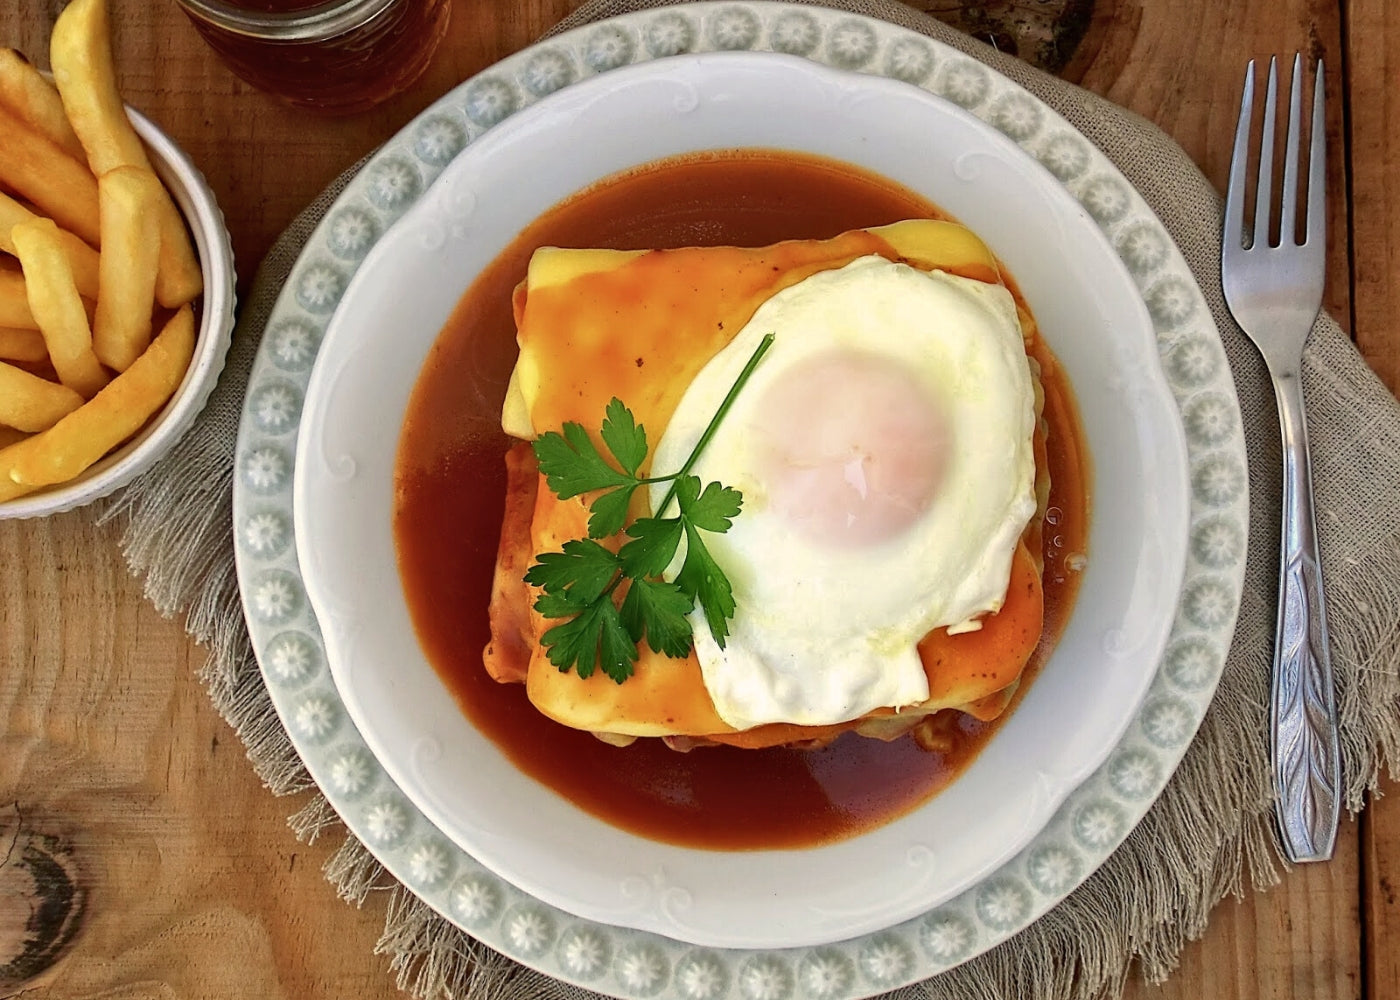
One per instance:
(276,6)
(340,74)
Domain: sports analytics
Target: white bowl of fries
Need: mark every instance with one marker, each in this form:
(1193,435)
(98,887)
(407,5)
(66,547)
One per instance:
(106,355)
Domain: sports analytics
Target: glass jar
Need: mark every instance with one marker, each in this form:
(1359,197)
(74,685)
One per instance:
(333,56)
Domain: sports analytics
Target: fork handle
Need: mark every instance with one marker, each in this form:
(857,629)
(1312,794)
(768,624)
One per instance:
(1303,707)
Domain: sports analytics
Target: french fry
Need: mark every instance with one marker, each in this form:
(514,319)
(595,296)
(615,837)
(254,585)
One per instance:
(80,51)
(109,418)
(30,403)
(57,306)
(14,302)
(179,279)
(8,436)
(9,489)
(58,185)
(22,345)
(25,91)
(82,257)
(130,259)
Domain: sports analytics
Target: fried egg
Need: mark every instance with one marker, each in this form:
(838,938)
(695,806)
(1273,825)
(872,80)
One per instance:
(883,447)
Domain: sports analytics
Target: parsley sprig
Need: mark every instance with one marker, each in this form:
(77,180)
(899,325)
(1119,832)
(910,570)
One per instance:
(579,582)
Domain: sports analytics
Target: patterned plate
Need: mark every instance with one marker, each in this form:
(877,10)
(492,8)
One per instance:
(286,636)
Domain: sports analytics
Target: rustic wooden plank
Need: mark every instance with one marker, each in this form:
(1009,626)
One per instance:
(1049,35)
(1374,106)
(1373,28)
(1295,942)
(1185,70)
(1380,895)
(114,765)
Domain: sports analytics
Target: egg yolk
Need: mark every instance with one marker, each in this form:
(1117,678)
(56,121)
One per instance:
(850,447)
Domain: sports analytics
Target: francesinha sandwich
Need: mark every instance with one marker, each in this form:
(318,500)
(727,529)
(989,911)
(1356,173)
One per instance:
(764,496)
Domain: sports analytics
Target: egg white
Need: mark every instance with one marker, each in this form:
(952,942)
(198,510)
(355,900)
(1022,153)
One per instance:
(825,632)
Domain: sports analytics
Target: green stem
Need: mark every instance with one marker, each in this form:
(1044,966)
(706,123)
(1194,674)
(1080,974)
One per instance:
(739,382)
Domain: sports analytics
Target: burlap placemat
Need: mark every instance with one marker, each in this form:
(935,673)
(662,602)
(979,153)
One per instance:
(1211,832)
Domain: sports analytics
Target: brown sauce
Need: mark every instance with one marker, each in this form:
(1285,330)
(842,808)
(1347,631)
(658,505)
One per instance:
(450,480)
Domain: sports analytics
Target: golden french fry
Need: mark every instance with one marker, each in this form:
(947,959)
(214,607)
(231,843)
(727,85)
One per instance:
(9,489)
(57,306)
(109,418)
(26,92)
(58,185)
(22,345)
(179,279)
(30,403)
(8,436)
(130,258)
(82,257)
(14,302)
(80,50)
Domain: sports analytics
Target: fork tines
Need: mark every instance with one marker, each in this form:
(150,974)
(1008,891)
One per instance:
(1315,231)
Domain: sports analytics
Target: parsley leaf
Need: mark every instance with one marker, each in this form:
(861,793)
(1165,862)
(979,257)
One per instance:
(625,439)
(559,605)
(653,546)
(609,511)
(703,580)
(572,465)
(712,510)
(657,610)
(582,572)
(595,637)
(619,649)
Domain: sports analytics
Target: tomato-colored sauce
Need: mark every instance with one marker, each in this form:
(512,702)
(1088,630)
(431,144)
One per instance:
(450,482)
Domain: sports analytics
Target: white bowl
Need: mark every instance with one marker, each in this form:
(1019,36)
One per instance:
(214,310)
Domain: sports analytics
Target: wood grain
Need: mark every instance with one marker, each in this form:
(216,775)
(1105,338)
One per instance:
(1373,26)
(1299,940)
(1373,60)
(1046,35)
(112,760)
(1380,895)
(194,884)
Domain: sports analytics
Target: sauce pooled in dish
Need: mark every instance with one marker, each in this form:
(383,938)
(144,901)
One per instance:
(786,797)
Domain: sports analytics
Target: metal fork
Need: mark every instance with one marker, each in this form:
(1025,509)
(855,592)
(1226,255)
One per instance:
(1275,294)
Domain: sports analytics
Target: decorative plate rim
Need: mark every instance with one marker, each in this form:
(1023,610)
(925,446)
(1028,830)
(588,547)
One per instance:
(1094,820)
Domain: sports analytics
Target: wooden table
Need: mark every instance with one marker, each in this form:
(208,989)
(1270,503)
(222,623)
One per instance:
(115,771)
